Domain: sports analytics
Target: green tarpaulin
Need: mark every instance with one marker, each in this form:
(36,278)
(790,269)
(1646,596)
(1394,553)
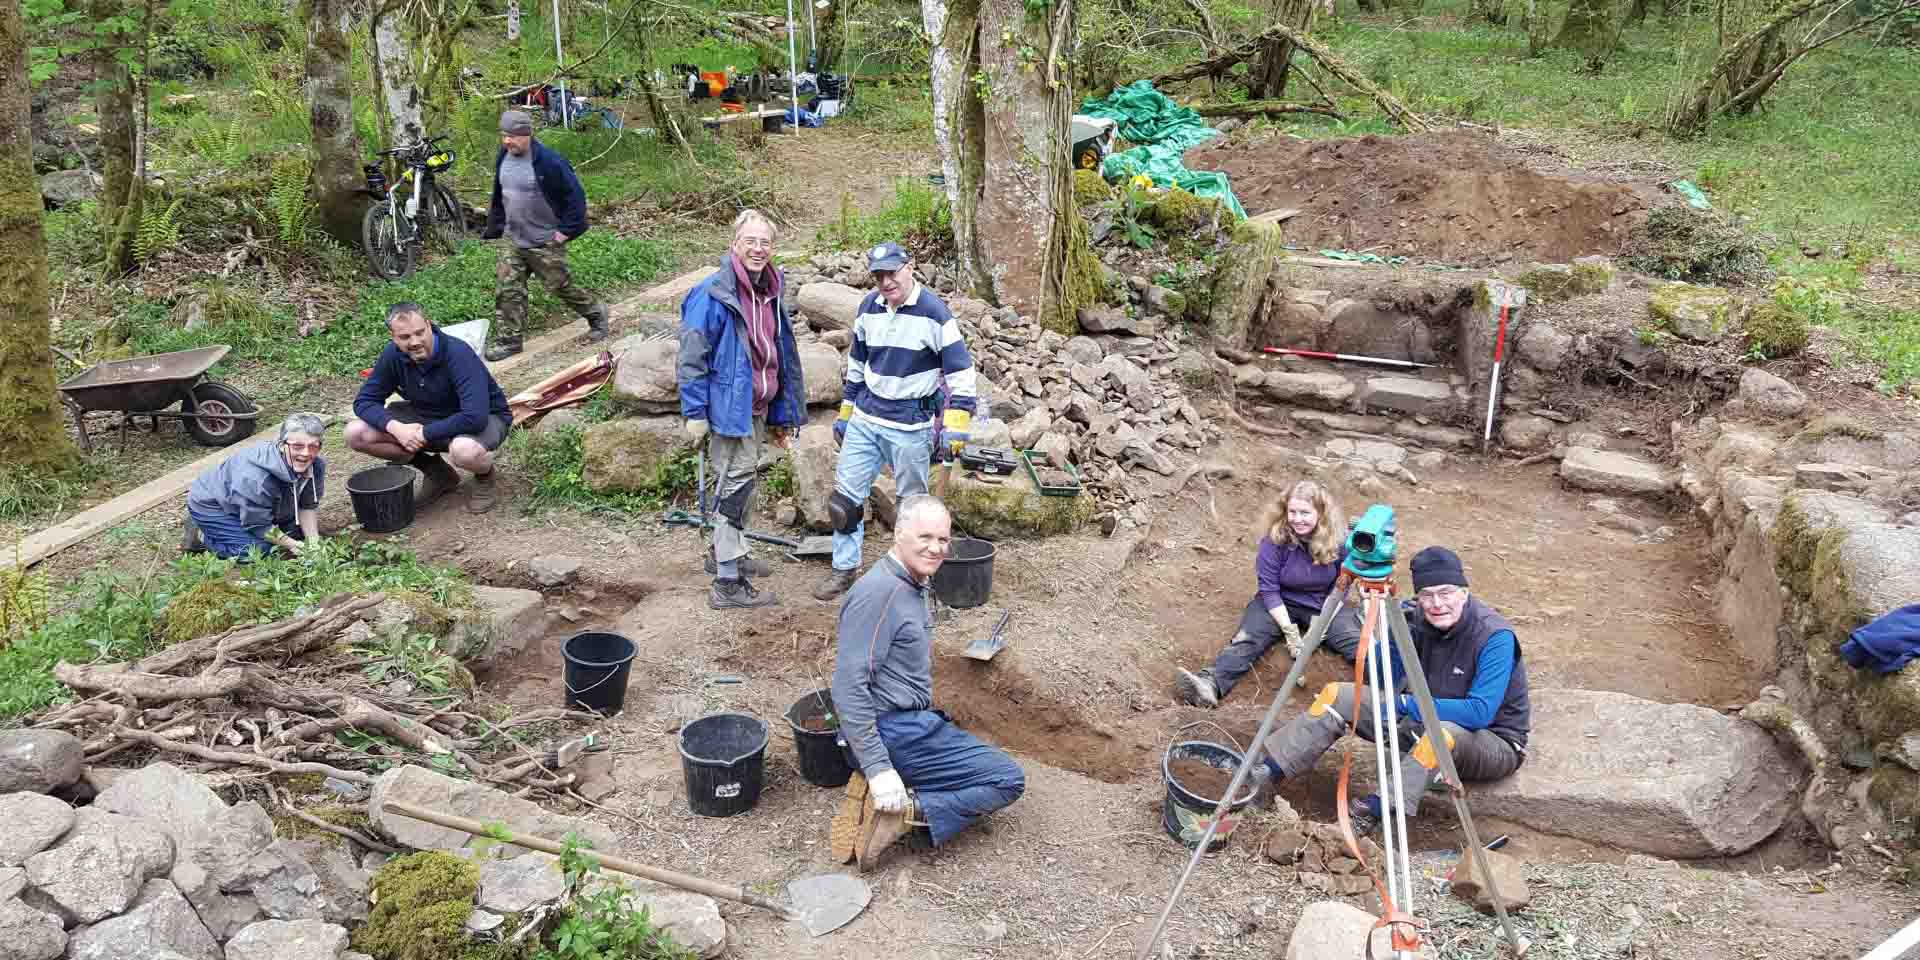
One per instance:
(1164,130)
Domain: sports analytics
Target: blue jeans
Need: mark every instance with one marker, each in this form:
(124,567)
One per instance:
(956,778)
(226,538)
(866,449)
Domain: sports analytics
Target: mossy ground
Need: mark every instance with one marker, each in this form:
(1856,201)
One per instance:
(421,904)
(1775,331)
(1090,187)
(1015,510)
(210,607)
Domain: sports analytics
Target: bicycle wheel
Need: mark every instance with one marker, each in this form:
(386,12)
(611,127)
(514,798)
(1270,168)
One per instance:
(449,219)
(390,256)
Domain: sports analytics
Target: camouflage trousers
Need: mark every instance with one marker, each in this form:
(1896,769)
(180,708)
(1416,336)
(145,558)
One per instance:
(549,262)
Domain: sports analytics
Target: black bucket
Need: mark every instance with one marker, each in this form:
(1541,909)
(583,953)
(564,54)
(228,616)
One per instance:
(1185,813)
(723,757)
(382,498)
(822,762)
(597,668)
(966,579)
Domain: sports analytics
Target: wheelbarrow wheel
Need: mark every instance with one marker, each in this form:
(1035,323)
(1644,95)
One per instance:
(211,400)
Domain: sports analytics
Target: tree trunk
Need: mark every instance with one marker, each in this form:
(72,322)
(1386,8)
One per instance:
(32,436)
(1638,12)
(1589,28)
(829,37)
(113,104)
(393,77)
(1000,122)
(1267,76)
(335,151)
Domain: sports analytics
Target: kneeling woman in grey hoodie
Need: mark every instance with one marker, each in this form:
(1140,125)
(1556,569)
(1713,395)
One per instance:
(264,497)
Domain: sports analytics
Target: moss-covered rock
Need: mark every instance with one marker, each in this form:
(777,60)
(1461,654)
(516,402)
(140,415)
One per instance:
(1564,281)
(1693,312)
(409,611)
(1775,331)
(629,455)
(1179,211)
(210,607)
(1240,282)
(420,909)
(1013,508)
(1090,187)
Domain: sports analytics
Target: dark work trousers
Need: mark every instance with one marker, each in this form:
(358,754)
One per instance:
(956,778)
(1258,632)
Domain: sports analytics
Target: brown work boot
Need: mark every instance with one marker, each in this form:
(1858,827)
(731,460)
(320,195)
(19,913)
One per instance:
(480,499)
(880,829)
(597,326)
(835,584)
(437,478)
(749,565)
(843,838)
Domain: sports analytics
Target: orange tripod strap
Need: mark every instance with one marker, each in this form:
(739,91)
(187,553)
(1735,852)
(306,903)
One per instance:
(1398,922)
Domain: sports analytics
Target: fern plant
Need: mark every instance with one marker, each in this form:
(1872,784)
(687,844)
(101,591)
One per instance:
(287,198)
(23,601)
(158,231)
(226,146)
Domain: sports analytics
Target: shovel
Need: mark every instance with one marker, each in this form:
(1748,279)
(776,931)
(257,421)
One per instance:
(821,904)
(984,649)
(816,546)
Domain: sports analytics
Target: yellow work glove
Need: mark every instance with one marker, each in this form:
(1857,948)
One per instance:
(955,425)
(840,422)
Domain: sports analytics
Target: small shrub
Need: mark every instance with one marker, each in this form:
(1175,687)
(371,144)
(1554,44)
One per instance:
(1775,331)
(1090,187)
(1681,243)
(600,925)
(918,218)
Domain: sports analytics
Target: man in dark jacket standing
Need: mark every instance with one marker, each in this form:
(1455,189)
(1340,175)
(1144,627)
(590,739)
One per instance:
(450,404)
(740,380)
(1479,683)
(539,205)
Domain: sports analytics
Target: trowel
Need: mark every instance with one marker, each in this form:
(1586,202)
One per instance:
(826,903)
(993,643)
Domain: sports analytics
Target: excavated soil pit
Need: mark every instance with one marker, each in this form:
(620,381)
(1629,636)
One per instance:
(1456,197)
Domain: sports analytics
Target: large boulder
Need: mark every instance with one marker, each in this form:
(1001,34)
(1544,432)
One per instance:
(692,920)
(812,455)
(422,787)
(63,187)
(1606,472)
(1543,347)
(1335,930)
(513,886)
(1241,298)
(289,940)
(1329,391)
(829,306)
(501,621)
(1013,508)
(101,866)
(1670,779)
(168,795)
(29,934)
(1770,396)
(626,455)
(162,919)
(822,369)
(212,863)
(647,379)
(34,822)
(38,761)
(1692,312)
(1413,395)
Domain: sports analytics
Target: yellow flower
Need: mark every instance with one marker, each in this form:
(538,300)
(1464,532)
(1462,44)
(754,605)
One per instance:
(1141,181)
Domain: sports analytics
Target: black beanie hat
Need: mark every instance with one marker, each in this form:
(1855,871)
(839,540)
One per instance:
(1437,566)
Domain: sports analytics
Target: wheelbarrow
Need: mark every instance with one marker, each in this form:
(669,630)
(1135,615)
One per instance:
(216,415)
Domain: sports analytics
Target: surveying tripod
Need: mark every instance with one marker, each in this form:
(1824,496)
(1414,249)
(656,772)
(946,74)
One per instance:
(1383,622)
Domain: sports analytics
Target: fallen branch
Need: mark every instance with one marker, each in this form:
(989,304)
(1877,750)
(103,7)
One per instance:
(152,687)
(1262,108)
(333,828)
(243,759)
(320,627)
(1321,54)
(362,715)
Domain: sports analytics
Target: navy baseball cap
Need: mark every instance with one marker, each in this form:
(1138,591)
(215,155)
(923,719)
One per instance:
(886,258)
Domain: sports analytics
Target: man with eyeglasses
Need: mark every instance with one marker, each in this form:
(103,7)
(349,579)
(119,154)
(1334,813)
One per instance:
(740,381)
(264,497)
(909,387)
(1475,671)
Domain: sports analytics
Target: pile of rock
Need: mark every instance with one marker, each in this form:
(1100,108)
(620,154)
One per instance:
(159,867)
(1318,854)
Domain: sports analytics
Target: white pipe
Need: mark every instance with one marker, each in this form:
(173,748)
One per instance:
(813,38)
(1493,393)
(793,70)
(1897,944)
(559,64)
(1400,802)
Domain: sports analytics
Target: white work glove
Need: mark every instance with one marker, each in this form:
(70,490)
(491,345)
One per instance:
(889,794)
(697,430)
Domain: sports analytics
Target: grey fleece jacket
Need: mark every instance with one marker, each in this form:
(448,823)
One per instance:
(257,488)
(884,659)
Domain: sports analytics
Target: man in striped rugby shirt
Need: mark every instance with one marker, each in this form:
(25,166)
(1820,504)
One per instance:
(909,378)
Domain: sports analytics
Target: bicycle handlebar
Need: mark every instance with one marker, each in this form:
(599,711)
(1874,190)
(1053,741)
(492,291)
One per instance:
(419,147)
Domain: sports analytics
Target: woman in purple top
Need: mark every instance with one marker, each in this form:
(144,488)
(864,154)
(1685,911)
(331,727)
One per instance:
(1301,546)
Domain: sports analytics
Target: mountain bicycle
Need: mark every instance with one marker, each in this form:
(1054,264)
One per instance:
(394,228)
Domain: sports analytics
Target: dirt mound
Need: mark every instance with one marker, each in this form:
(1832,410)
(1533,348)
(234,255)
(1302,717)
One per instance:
(1455,197)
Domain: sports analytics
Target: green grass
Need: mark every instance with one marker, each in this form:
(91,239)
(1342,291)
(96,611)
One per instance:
(112,616)
(556,461)
(26,496)
(916,217)
(452,290)
(1889,338)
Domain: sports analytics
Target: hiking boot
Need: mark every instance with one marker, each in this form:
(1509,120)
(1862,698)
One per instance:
(1196,689)
(835,584)
(879,830)
(597,326)
(480,499)
(1365,813)
(503,347)
(190,541)
(843,837)
(748,564)
(737,594)
(437,478)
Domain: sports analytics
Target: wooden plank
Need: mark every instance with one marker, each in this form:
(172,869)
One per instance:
(159,490)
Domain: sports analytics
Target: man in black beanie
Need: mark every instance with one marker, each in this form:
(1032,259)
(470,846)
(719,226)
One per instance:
(1479,682)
